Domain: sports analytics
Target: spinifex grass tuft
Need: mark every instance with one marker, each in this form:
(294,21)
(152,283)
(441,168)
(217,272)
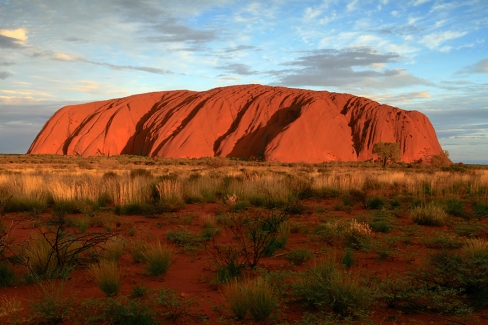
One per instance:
(108,276)
(158,259)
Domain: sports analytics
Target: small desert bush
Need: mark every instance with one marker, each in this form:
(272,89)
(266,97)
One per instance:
(357,234)
(108,276)
(299,256)
(10,308)
(41,257)
(329,286)
(25,204)
(255,296)
(52,306)
(279,241)
(476,248)
(126,312)
(409,294)
(381,222)
(465,270)
(114,249)
(171,304)
(182,237)
(7,275)
(429,214)
(157,258)
(137,249)
(455,207)
(347,259)
(375,203)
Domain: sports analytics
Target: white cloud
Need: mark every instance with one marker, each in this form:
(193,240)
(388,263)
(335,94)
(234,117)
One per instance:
(19,34)
(351,6)
(63,57)
(434,40)
(420,2)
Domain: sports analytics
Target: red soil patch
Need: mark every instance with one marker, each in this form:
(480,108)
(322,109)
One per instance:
(192,270)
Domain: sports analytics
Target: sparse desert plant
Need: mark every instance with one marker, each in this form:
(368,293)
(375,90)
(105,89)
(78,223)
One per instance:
(329,286)
(255,296)
(357,234)
(183,237)
(299,256)
(108,276)
(114,249)
(158,259)
(476,248)
(347,258)
(137,249)
(126,312)
(7,275)
(10,308)
(51,307)
(429,214)
(172,304)
(375,203)
(57,250)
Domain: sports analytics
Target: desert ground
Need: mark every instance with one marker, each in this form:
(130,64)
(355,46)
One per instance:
(138,240)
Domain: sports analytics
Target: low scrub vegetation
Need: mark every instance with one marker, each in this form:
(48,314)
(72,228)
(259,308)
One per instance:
(215,240)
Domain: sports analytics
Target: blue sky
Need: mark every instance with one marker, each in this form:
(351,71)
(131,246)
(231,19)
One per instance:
(425,55)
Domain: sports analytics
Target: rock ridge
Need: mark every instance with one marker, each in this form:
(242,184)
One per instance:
(247,121)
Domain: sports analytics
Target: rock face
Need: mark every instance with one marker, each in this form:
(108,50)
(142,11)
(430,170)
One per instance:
(250,121)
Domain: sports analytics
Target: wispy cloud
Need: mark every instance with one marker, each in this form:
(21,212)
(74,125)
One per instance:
(238,68)
(435,40)
(348,67)
(5,74)
(478,67)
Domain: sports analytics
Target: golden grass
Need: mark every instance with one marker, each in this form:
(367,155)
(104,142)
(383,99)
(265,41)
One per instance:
(65,180)
(108,276)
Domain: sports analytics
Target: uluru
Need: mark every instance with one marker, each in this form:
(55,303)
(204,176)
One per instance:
(246,121)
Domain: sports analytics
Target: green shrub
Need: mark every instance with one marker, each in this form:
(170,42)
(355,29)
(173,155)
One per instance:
(158,259)
(465,270)
(429,215)
(455,207)
(139,291)
(255,296)
(131,209)
(329,286)
(381,222)
(375,203)
(137,249)
(52,306)
(241,206)
(114,249)
(23,204)
(127,312)
(170,203)
(172,304)
(347,258)
(182,237)
(480,210)
(7,275)
(410,294)
(299,256)
(107,276)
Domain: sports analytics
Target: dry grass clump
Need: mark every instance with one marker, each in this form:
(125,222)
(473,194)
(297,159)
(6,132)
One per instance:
(429,214)
(475,247)
(114,249)
(108,276)
(40,257)
(256,296)
(10,307)
(158,259)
